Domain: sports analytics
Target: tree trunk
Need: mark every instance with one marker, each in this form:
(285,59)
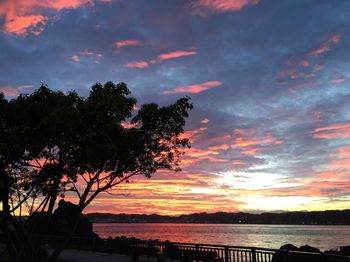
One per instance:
(5,213)
(53,196)
(17,241)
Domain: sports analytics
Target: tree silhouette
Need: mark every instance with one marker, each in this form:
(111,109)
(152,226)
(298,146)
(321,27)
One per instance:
(65,143)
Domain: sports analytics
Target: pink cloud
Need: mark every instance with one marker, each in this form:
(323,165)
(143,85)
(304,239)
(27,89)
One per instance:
(88,52)
(87,55)
(160,58)
(128,125)
(205,121)
(193,89)
(317,116)
(23,17)
(332,132)
(175,54)
(302,85)
(326,46)
(299,69)
(319,51)
(137,64)
(128,42)
(14,91)
(75,58)
(305,63)
(337,81)
(334,39)
(223,5)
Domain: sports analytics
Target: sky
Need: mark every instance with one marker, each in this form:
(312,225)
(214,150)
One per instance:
(269,80)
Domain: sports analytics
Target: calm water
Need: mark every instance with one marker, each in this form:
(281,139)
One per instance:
(268,236)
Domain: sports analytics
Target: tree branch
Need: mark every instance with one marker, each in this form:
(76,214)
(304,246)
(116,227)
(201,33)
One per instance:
(107,186)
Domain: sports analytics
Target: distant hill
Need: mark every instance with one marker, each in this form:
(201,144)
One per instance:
(329,217)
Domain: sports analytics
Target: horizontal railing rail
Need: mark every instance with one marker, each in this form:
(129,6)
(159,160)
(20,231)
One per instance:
(223,253)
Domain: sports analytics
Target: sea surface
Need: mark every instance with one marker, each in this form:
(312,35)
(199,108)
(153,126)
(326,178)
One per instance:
(268,236)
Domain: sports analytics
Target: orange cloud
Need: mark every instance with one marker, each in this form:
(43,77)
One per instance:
(238,162)
(193,134)
(332,132)
(245,137)
(196,155)
(219,147)
(344,151)
(193,89)
(205,121)
(14,91)
(195,152)
(175,54)
(23,24)
(340,161)
(250,150)
(224,5)
(326,46)
(23,17)
(128,42)
(251,143)
(137,64)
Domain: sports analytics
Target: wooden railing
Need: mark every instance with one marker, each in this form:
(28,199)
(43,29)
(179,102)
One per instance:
(224,253)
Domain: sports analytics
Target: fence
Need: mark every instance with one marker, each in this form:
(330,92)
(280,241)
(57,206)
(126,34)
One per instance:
(223,253)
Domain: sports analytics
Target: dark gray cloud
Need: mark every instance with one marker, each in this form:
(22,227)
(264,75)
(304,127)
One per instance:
(272,87)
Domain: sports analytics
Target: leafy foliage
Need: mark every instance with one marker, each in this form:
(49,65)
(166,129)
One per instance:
(55,140)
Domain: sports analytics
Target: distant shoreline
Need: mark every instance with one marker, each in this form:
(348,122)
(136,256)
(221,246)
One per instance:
(194,223)
(329,217)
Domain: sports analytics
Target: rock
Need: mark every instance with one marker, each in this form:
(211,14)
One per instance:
(307,248)
(283,255)
(289,247)
(332,252)
(65,216)
(345,250)
(61,222)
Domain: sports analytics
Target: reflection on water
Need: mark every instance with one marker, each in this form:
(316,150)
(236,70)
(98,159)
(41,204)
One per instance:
(268,236)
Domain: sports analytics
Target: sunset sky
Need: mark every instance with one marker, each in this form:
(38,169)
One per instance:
(269,80)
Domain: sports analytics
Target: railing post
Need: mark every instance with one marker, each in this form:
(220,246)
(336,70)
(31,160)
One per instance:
(197,249)
(285,255)
(226,255)
(94,245)
(79,243)
(254,254)
(110,245)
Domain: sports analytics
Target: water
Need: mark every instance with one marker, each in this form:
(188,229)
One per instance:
(268,236)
